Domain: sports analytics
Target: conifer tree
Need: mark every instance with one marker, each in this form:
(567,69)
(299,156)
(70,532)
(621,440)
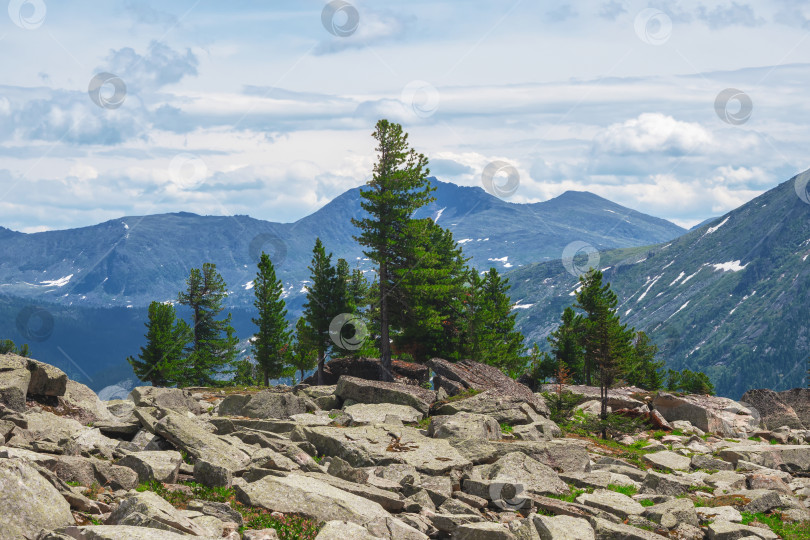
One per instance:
(325,301)
(427,299)
(398,187)
(606,340)
(566,344)
(491,335)
(272,340)
(7,346)
(639,368)
(304,354)
(161,360)
(212,353)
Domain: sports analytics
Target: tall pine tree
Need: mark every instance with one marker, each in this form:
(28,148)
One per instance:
(566,345)
(491,336)
(161,361)
(305,355)
(272,340)
(606,340)
(427,299)
(325,301)
(214,341)
(398,187)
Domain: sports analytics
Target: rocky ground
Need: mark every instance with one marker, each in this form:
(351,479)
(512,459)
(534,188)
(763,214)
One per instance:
(477,459)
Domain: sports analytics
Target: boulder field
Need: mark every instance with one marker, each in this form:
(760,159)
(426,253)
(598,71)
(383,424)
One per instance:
(476,458)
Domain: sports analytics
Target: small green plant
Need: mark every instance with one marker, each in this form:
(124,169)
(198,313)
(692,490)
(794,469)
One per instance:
(658,435)
(506,428)
(468,393)
(424,423)
(677,432)
(571,497)
(755,439)
(773,441)
(624,490)
(646,502)
(638,445)
(787,531)
(186,458)
(73,483)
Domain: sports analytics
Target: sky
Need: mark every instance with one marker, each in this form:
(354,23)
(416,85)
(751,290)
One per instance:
(680,109)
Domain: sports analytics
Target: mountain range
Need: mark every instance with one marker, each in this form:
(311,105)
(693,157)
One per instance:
(731,298)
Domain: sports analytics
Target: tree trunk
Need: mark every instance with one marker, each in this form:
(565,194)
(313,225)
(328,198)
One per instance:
(385,344)
(321,362)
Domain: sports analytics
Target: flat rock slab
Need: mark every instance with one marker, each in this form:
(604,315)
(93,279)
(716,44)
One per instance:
(266,404)
(28,502)
(319,500)
(615,503)
(708,413)
(365,391)
(175,399)
(377,413)
(124,532)
(724,530)
(504,409)
(343,530)
(562,528)
(561,455)
(669,461)
(483,531)
(608,530)
(367,446)
(193,438)
(790,458)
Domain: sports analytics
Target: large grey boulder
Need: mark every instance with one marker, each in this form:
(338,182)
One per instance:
(342,530)
(666,484)
(464,425)
(46,380)
(456,377)
(147,509)
(366,446)
(266,404)
(788,408)
(524,474)
(668,461)
(708,413)
(92,409)
(503,408)
(28,502)
(562,528)
(86,471)
(562,455)
(162,466)
(724,530)
(122,532)
(46,426)
(483,531)
(378,413)
(609,530)
(671,513)
(175,399)
(14,380)
(365,391)
(612,502)
(791,458)
(311,497)
(192,437)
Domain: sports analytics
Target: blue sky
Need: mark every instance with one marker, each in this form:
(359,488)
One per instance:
(257,108)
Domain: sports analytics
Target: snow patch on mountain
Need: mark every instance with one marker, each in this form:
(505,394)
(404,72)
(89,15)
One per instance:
(731,266)
(710,230)
(61,282)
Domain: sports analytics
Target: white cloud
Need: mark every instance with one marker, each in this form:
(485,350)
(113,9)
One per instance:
(654,132)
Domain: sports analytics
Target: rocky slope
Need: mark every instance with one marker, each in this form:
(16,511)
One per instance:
(369,460)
